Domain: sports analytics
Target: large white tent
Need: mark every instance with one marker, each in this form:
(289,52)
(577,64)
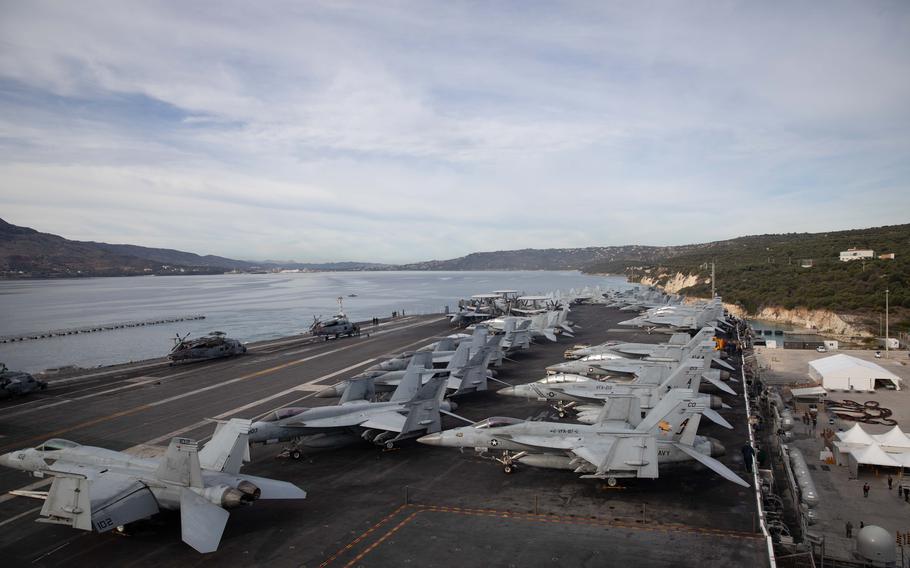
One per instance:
(894,440)
(874,455)
(856,447)
(856,436)
(843,372)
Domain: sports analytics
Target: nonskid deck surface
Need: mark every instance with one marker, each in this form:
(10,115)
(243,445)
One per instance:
(446,507)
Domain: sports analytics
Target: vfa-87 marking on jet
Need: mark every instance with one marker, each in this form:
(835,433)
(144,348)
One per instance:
(603,450)
(99,489)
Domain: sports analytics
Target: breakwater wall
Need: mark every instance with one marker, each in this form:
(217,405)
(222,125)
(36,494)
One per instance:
(96,328)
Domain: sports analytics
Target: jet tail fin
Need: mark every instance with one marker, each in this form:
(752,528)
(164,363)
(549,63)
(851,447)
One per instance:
(229,448)
(472,377)
(683,376)
(363,388)
(460,357)
(180,464)
(423,410)
(479,337)
(669,415)
(408,387)
(424,359)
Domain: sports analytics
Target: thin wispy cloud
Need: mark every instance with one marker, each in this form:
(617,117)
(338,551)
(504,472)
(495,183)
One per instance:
(404,131)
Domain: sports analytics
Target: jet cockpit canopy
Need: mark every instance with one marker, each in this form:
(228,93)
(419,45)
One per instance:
(283,413)
(56,444)
(497,422)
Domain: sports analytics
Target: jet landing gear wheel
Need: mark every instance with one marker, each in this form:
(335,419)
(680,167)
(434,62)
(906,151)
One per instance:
(611,481)
(390,445)
(508,461)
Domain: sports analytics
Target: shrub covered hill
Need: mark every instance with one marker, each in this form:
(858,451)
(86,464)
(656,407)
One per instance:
(793,270)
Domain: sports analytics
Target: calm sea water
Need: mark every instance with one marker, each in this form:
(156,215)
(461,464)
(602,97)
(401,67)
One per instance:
(249,307)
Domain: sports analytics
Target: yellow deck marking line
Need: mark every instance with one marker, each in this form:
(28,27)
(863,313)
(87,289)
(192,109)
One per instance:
(391,531)
(362,536)
(500,514)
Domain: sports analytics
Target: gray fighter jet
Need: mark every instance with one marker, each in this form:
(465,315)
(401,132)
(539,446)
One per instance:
(99,489)
(547,325)
(678,318)
(387,381)
(465,372)
(604,450)
(624,349)
(412,410)
(17,383)
(612,363)
(638,299)
(212,346)
(442,351)
(587,396)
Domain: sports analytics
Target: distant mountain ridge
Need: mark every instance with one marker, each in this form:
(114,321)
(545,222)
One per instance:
(27,253)
(549,259)
(744,264)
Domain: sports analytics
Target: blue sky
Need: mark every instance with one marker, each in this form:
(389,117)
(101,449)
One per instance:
(405,131)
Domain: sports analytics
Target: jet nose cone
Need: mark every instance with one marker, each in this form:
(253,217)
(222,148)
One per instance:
(508,391)
(9,460)
(431,439)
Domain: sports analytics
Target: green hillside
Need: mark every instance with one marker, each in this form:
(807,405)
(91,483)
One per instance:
(767,270)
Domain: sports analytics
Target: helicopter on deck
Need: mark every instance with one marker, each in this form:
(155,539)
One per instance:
(336,326)
(212,346)
(17,383)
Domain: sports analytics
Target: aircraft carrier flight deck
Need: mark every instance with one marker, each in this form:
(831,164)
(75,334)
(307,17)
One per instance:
(366,506)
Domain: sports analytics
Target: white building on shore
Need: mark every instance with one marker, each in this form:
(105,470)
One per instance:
(855,254)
